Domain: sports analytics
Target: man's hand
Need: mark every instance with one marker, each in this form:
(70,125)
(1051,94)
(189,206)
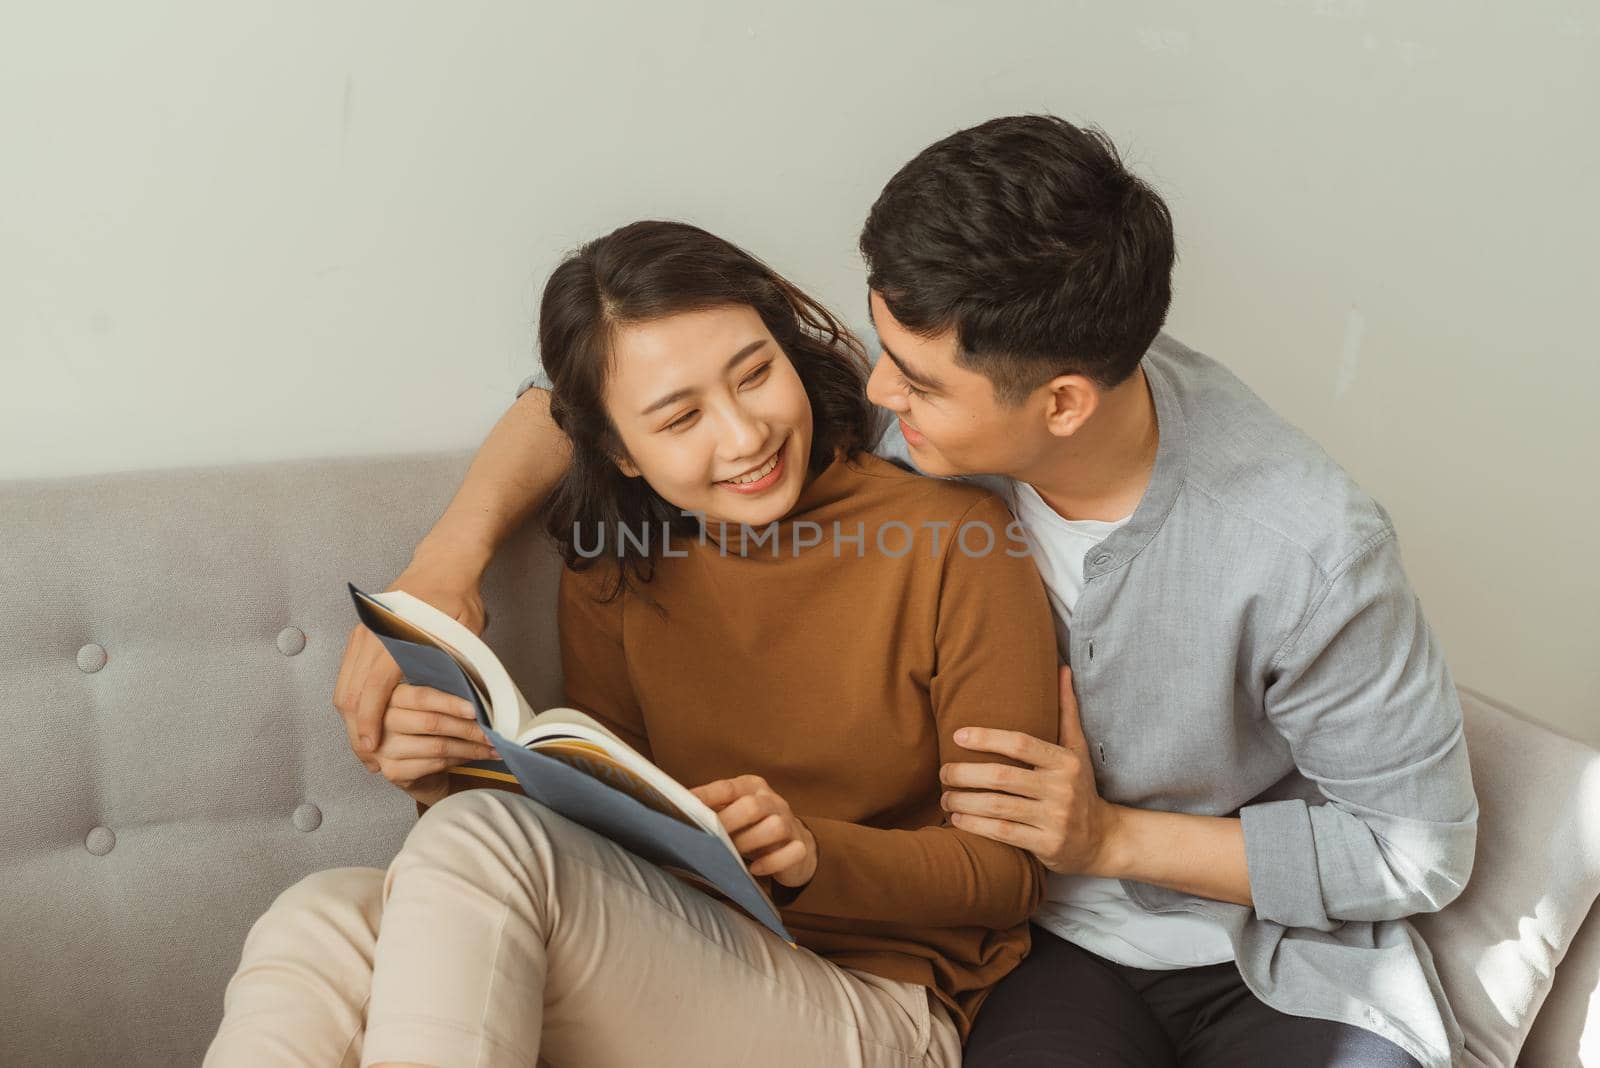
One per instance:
(1050,807)
(368,675)
(771,839)
(426,731)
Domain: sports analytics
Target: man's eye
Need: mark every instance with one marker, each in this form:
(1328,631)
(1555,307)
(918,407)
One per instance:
(909,388)
(757,375)
(682,421)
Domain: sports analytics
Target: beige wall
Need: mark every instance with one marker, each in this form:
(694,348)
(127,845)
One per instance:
(238,231)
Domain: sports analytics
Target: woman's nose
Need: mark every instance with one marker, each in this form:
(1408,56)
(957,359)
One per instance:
(745,435)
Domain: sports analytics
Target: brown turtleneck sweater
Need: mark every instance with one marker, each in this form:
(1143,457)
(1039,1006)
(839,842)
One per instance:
(838,671)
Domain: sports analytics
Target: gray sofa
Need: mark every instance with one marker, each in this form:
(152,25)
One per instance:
(168,645)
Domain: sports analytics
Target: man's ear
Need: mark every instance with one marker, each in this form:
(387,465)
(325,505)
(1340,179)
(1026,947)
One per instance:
(1070,400)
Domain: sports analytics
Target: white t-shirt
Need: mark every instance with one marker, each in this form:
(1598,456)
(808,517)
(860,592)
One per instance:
(1088,911)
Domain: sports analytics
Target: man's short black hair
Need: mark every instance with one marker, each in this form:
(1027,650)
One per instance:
(1030,238)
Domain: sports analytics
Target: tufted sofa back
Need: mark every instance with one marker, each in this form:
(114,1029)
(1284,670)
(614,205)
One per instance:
(168,647)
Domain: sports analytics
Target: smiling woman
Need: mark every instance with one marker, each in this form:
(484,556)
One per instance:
(808,697)
(718,440)
(685,370)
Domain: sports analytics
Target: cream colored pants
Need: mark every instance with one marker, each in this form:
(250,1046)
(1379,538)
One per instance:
(504,934)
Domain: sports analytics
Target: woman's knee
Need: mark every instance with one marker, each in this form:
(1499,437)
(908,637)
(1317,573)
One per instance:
(334,884)
(480,829)
(317,909)
(478,811)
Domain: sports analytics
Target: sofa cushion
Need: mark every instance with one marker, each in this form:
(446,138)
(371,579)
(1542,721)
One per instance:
(168,651)
(167,660)
(1568,1028)
(1537,874)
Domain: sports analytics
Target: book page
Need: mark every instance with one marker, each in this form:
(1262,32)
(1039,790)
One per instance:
(579,769)
(594,761)
(395,626)
(563,724)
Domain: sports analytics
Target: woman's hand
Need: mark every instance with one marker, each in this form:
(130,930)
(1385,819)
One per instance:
(426,731)
(368,675)
(771,839)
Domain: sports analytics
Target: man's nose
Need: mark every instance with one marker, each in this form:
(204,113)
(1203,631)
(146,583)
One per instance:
(880,392)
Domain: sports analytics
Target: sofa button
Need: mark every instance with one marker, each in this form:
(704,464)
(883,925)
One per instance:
(291,640)
(91,658)
(308,817)
(100,841)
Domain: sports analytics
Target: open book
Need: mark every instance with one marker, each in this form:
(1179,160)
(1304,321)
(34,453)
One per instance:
(563,758)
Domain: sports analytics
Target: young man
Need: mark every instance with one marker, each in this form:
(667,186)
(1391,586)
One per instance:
(1261,769)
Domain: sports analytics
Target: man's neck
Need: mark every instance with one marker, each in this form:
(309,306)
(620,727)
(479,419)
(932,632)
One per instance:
(1103,469)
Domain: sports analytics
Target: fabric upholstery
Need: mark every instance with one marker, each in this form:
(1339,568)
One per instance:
(174,759)
(1497,946)
(168,648)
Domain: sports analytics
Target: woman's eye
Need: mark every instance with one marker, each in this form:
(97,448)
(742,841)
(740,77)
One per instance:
(757,375)
(682,421)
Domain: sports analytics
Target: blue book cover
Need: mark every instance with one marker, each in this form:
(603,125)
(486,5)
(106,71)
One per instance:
(568,770)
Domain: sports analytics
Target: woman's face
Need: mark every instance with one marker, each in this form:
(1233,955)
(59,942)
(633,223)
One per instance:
(711,414)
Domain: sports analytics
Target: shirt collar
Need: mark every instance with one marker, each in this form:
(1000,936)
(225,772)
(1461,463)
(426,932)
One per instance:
(1166,479)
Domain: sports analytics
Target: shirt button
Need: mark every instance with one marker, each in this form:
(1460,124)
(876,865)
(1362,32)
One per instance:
(1103,559)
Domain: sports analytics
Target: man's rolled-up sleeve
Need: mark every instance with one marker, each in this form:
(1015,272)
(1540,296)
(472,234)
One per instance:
(1361,693)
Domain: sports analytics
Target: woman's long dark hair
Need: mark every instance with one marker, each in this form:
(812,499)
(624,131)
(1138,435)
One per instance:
(646,271)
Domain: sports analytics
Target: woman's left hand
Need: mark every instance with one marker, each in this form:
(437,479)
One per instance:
(771,839)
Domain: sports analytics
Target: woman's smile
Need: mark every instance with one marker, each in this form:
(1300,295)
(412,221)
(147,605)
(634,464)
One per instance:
(761,478)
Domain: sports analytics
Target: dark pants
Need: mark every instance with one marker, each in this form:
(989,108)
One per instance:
(1065,1006)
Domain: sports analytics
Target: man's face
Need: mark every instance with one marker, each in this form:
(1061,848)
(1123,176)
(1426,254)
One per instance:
(952,420)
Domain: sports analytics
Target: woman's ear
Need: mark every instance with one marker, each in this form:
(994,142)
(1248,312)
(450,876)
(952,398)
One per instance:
(626,466)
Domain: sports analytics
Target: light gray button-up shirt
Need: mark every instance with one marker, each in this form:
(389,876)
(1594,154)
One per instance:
(1248,644)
